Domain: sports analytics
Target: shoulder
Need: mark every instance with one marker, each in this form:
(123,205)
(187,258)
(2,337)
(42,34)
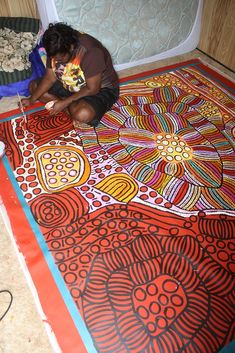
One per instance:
(93,58)
(89,42)
(90,48)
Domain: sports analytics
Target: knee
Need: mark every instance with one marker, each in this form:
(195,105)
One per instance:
(82,112)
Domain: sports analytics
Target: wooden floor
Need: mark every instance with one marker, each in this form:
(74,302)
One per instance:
(22,329)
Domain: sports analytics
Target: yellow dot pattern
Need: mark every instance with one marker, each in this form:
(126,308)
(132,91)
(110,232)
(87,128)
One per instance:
(171,148)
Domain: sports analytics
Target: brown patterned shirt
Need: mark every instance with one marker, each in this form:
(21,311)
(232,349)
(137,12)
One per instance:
(88,60)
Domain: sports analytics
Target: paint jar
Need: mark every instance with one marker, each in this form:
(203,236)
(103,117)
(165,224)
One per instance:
(50,105)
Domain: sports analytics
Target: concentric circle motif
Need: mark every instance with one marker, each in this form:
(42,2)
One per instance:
(155,281)
(174,142)
(162,302)
(144,279)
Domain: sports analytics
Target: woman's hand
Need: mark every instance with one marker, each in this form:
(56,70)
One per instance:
(57,107)
(26,102)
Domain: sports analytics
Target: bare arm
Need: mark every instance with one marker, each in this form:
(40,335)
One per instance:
(44,85)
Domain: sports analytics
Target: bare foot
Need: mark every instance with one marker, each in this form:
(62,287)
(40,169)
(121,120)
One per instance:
(79,125)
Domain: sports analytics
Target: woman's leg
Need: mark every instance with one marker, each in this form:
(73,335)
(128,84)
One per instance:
(91,109)
(81,112)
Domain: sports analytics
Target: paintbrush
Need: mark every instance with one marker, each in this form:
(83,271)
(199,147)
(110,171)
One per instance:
(21,107)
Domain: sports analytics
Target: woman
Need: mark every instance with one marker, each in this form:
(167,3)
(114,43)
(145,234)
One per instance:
(79,76)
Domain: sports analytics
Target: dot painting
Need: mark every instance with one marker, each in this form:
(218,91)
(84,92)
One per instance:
(136,214)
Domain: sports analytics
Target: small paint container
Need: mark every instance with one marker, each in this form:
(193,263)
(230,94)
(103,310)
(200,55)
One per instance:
(50,105)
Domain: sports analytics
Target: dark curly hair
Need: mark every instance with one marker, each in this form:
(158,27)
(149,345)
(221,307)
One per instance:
(58,38)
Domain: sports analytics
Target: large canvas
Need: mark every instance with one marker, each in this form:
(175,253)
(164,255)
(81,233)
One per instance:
(128,228)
